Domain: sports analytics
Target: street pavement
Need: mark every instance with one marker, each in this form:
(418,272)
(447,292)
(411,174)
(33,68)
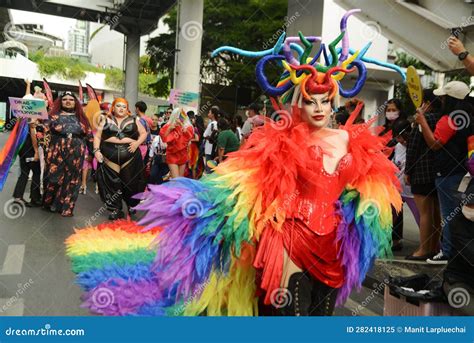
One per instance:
(35,275)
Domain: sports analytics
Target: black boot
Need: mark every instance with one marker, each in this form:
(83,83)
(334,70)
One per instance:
(296,299)
(323,299)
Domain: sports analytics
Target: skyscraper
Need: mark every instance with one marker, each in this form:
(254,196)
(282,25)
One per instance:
(78,40)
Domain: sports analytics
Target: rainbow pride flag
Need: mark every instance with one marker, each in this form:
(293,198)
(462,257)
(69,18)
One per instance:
(11,148)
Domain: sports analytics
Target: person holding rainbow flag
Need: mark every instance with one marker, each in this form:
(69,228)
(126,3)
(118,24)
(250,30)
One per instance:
(292,221)
(177,134)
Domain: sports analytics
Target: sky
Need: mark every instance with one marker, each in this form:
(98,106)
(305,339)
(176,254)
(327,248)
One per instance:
(59,26)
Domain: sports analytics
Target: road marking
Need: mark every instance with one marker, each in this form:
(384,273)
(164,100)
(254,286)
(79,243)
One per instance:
(14,260)
(358,309)
(11,307)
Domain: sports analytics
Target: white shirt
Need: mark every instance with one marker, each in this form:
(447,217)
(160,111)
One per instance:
(212,126)
(239,133)
(247,128)
(157,146)
(399,159)
(250,123)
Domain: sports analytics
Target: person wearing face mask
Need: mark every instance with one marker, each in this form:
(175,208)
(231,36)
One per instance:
(392,115)
(71,135)
(120,174)
(393,112)
(459,273)
(291,221)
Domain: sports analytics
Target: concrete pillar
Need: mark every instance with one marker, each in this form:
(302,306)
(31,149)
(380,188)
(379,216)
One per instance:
(132,61)
(188,46)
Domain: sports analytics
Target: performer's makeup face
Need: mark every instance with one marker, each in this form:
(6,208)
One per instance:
(67,102)
(120,109)
(317,110)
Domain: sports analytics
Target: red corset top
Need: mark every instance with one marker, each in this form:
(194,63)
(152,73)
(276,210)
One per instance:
(317,207)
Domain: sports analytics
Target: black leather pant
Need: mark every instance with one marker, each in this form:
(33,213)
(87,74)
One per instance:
(123,185)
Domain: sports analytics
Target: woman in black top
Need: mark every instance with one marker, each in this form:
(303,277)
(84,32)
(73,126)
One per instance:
(71,135)
(420,173)
(392,112)
(120,173)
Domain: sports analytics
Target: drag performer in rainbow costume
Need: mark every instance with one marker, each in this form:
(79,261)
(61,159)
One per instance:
(292,221)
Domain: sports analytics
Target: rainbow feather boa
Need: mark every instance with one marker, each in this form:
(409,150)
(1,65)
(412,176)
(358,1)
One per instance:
(202,260)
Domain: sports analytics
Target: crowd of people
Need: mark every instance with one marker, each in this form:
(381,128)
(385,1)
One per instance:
(430,150)
(126,151)
(426,151)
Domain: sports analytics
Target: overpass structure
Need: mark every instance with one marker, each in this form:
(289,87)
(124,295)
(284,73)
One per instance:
(133,18)
(421,27)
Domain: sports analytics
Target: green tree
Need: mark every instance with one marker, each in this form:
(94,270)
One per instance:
(71,68)
(114,77)
(248,24)
(401,92)
(405,60)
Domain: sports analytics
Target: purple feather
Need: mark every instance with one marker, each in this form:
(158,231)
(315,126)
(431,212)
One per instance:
(349,243)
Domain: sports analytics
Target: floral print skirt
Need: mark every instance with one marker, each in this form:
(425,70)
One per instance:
(63,174)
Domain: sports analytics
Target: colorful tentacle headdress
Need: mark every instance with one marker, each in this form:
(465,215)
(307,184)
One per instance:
(309,74)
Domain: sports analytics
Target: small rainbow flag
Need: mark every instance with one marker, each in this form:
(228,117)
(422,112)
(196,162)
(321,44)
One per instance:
(182,116)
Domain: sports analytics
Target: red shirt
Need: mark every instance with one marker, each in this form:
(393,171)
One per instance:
(445,129)
(177,139)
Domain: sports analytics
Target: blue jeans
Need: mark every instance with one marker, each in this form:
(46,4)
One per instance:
(447,187)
